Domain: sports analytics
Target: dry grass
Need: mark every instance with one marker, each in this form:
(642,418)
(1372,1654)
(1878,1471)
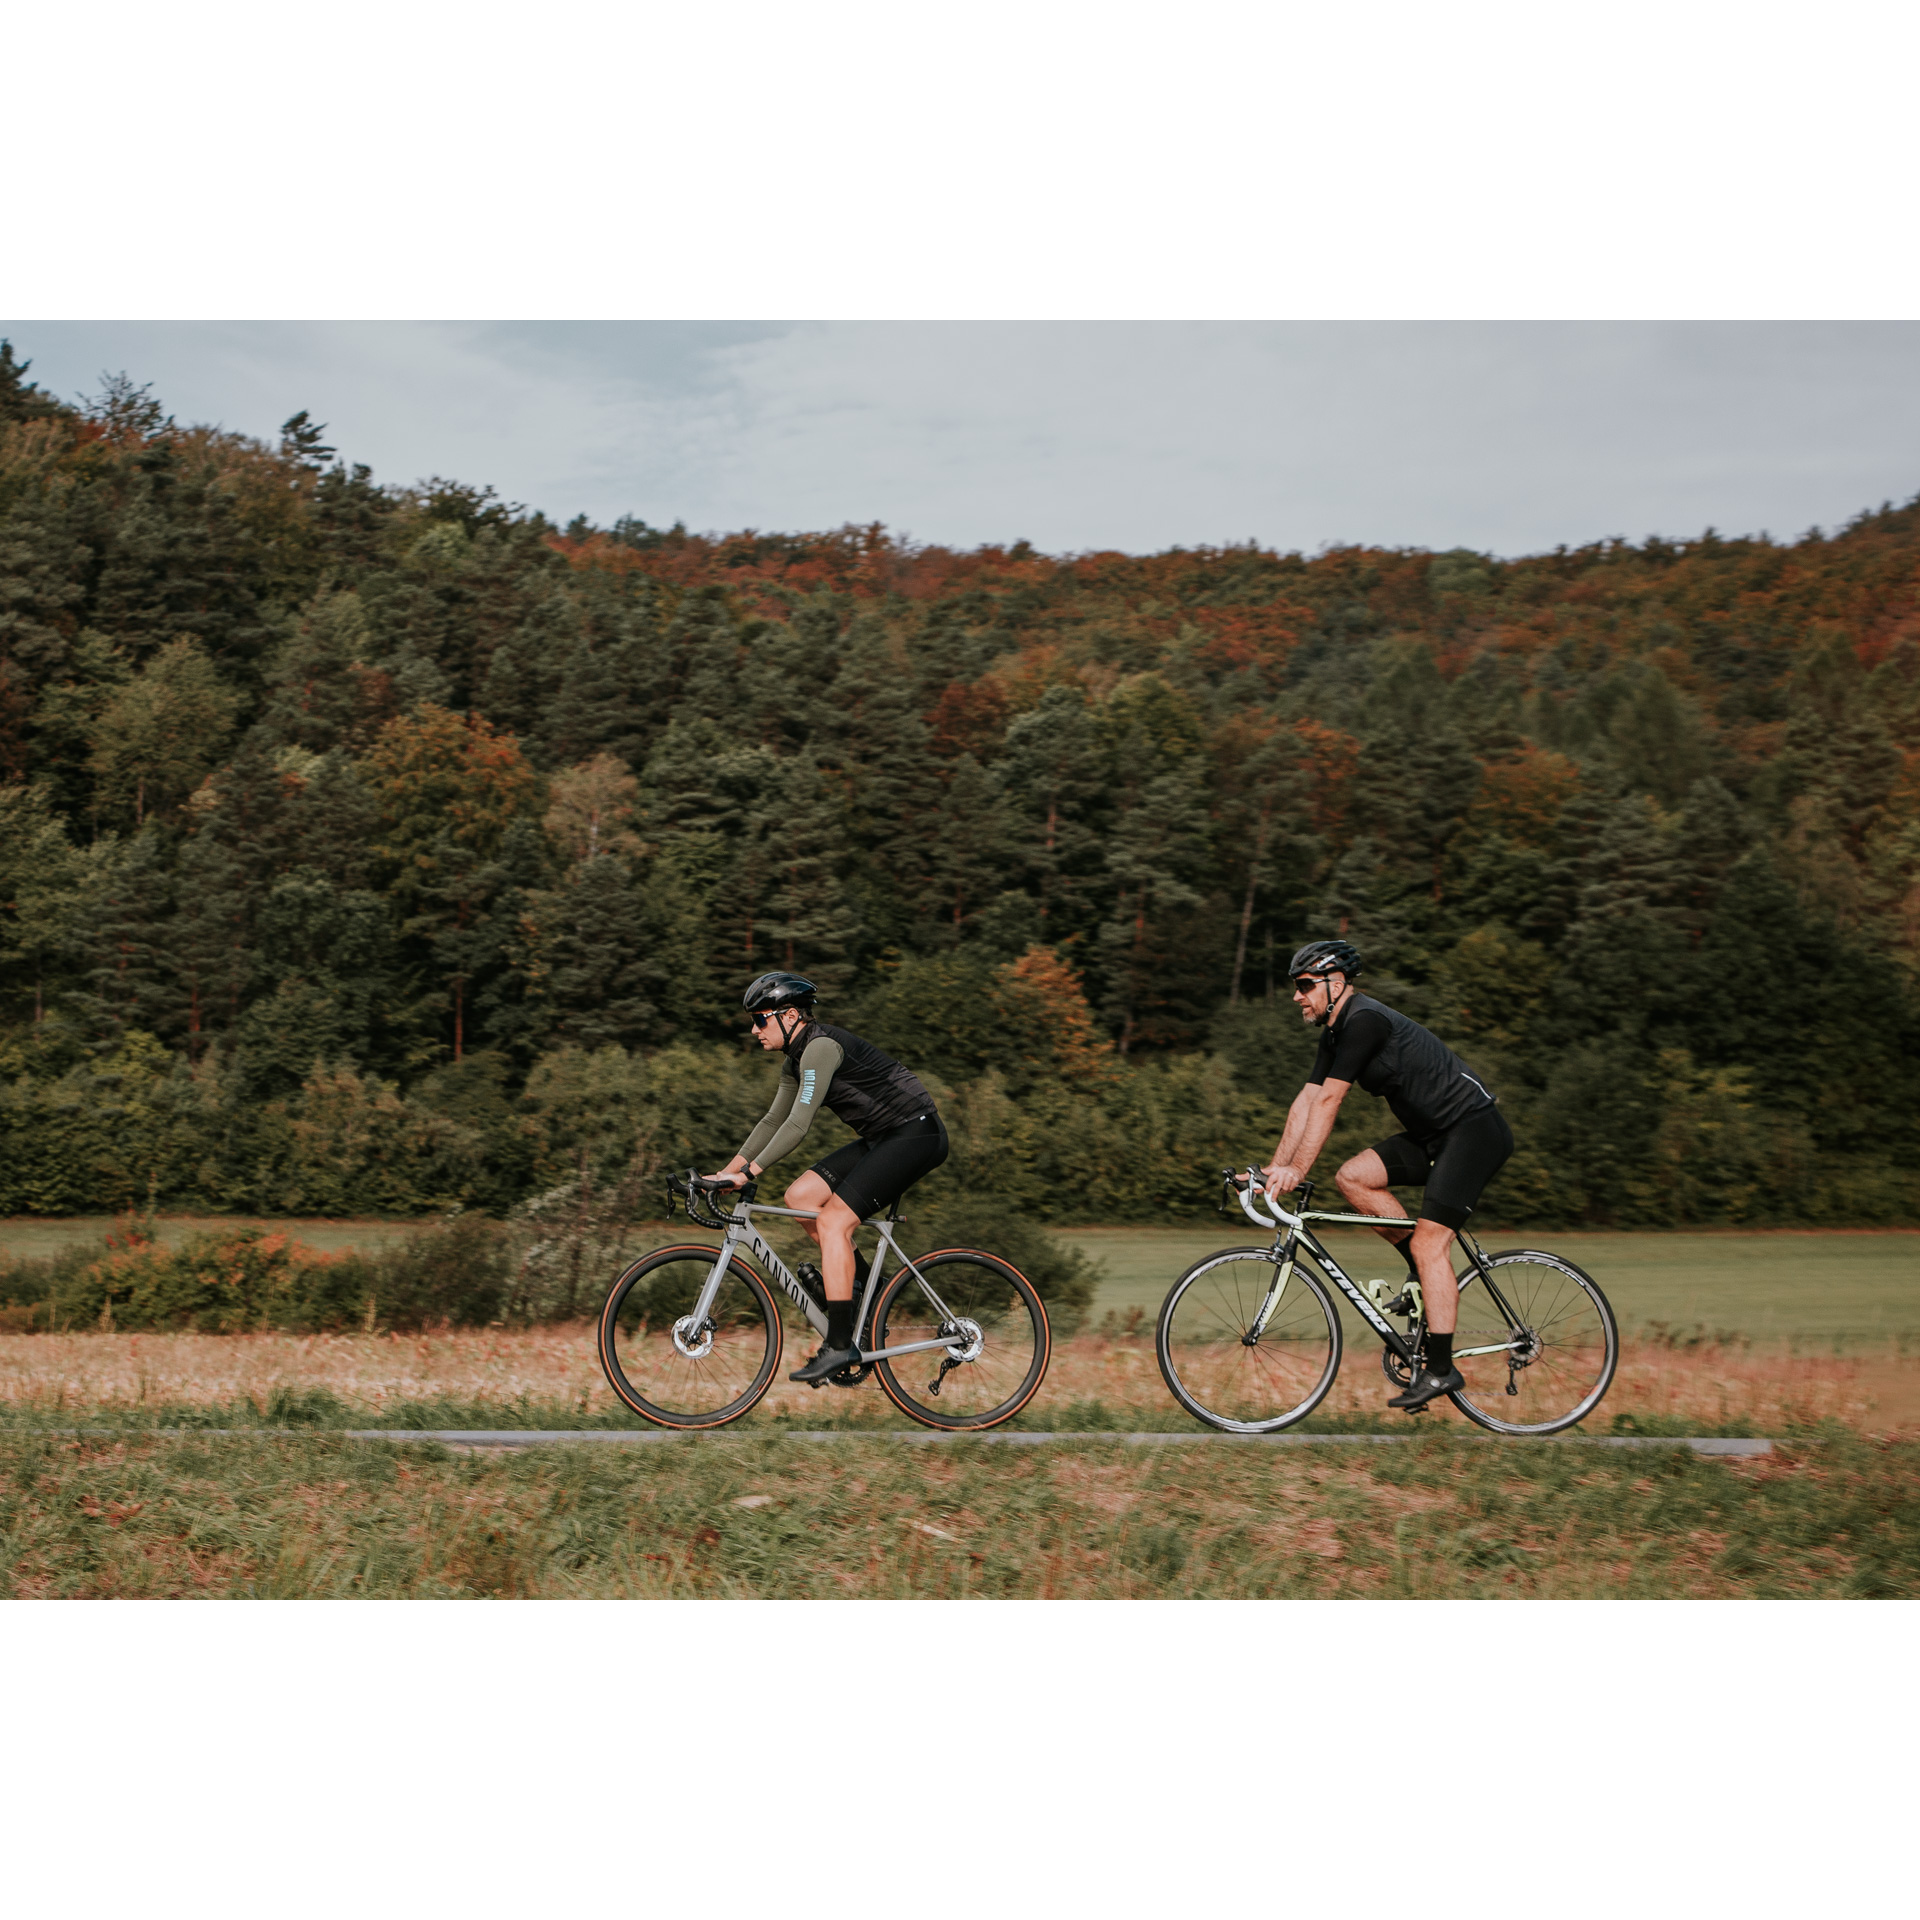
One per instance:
(1094,1381)
(749,1513)
(319,1516)
(370,1371)
(1704,1388)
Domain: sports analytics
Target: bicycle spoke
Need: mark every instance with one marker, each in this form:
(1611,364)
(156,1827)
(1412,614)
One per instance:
(1568,1348)
(673,1372)
(981,1296)
(1213,1371)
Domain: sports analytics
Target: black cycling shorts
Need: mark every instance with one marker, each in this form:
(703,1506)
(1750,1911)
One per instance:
(1454,1166)
(871,1174)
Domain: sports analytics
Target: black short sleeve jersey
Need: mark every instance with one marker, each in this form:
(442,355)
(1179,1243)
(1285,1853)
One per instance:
(1350,1046)
(1419,1076)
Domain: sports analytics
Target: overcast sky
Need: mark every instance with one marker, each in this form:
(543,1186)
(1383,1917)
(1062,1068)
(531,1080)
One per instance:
(1507,437)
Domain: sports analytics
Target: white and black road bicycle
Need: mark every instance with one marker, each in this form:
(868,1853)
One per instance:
(1249,1338)
(692,1338)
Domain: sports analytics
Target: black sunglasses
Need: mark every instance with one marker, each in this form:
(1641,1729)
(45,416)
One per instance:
(760,1020)
(1306,982)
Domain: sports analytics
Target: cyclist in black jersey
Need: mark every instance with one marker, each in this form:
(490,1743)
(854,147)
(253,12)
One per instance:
(901,1139)
(1454,1138)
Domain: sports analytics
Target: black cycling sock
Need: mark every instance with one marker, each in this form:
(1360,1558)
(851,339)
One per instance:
(839,1324)
(1405,1244)
(1439,1352)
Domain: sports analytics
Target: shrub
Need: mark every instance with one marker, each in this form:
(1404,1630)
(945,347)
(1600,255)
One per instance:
(250,1279)
(233,1282)
(573,1238)
(457,1273)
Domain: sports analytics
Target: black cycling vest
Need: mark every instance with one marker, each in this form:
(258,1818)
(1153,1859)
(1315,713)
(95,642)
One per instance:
(870,1090)
(1418,1075)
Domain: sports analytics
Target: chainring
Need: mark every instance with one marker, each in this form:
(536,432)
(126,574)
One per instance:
(1394,1367)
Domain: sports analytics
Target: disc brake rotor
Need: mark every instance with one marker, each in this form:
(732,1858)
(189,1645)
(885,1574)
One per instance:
(694,1343)
(976,1339)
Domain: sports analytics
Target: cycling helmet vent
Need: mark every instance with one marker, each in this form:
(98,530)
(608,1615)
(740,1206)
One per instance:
(1321,957)
(774,990)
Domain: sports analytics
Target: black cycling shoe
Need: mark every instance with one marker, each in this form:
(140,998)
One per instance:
(825,1363)
(1426,1386)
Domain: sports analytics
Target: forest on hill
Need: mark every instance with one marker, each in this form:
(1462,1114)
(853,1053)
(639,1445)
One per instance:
(380,848)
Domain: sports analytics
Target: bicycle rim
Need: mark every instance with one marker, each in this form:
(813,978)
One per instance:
(1566,1342)
(707,1376)
(1015,1341)
(1213,1372)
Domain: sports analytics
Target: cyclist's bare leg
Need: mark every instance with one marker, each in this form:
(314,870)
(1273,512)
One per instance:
(831,1231)
(1363,1184)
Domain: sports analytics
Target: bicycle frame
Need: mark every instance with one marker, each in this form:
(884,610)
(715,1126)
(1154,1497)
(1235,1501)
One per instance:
(1293,1234)
(741,1236)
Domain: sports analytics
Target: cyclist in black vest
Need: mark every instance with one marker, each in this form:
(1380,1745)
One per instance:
(901,1139)
(1455,1140)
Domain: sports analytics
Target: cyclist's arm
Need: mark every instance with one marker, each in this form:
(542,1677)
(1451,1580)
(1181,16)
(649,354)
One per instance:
(748,1160)
(1309,1120)
(1305,1133)
(1355,1045)
(818,1062)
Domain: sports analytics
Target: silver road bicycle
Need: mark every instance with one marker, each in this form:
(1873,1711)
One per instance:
(691,1337)
(1249,1339)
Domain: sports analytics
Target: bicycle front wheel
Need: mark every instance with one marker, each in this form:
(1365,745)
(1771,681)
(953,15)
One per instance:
(677,1373)
(1541,1363)
(1007,1341)
(1224,1374)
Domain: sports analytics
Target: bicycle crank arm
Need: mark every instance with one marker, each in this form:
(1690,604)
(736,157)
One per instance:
(952,1344)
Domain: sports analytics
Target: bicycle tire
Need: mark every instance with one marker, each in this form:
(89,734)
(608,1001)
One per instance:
(1017,1340)
(1210,1368)
(1576,1354)
(655,1375)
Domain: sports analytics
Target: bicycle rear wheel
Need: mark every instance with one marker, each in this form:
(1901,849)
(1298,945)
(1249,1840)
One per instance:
(1214,1366)
(1008,1340)
(673,1372)
(1560,1338)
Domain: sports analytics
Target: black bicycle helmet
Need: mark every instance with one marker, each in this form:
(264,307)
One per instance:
(1322,957)
(774,990)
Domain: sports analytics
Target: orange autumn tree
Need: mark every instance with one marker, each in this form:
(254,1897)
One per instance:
(1048,1021)
(1522,798)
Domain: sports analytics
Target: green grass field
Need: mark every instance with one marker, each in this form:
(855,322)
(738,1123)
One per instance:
(1812,1291)
(317,1516)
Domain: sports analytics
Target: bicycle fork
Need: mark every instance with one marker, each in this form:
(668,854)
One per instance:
(1283,1272)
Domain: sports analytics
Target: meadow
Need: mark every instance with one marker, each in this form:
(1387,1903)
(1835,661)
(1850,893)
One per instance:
(319,1516)
(1804,1337)
(1800,1290)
